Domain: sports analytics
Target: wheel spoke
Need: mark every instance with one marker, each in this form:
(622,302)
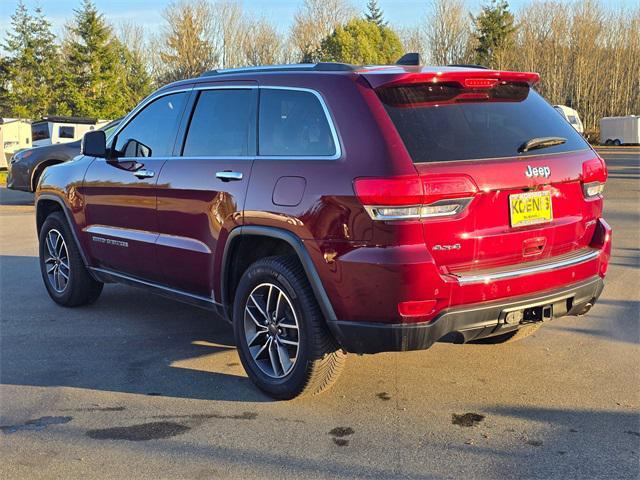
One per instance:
(287,325)
(62,248)
(288,342)
(268,302)
(52,268)
(50,248)
(272,357)
(253,318)
(278,304)
(64,275)
(266,345)
(255,302)
(283,355)
(255,337)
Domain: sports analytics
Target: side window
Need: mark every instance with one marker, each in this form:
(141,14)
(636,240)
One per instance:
(66,132)
(153,131)
(293,123)
(223,124)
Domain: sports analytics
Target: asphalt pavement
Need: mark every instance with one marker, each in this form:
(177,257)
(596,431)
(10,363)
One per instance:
(137,386)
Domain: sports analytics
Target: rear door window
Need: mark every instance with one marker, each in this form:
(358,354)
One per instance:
(445,122)
(223,124)
(293,123)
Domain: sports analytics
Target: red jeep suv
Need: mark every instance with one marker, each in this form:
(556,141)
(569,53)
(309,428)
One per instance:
(324,209)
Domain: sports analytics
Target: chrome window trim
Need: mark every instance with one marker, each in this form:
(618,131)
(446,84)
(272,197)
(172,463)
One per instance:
(489,277)
(157,95)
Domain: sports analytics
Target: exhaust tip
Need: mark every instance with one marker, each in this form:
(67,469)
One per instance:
(585,309)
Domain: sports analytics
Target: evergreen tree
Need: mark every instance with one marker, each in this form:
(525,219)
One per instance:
(494,31)
(30,72)
(95,82)
(361,42)
(374,14)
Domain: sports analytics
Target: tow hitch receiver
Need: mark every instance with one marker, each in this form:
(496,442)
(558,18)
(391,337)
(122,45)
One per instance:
(529,315)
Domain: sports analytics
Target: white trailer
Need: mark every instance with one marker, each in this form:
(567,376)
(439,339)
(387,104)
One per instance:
(52,130)
(620,130)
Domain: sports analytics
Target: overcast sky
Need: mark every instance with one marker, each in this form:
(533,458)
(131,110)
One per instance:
(404,13)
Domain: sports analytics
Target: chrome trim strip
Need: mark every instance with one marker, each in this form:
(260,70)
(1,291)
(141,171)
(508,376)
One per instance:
(489,277)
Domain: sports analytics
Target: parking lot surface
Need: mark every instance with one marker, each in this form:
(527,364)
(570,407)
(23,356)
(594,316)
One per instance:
(137,386)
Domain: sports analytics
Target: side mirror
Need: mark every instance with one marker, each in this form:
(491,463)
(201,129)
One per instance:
(134,148)
(94,144)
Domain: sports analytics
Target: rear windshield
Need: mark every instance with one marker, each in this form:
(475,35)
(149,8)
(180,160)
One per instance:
(442,122)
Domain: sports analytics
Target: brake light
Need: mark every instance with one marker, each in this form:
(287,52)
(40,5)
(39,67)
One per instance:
(594,176)
(480,82)
(414,197)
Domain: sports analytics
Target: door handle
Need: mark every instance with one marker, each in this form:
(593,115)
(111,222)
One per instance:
(144,174)
(229,176)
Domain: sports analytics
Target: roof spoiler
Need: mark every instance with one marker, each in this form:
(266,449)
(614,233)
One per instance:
(476,78)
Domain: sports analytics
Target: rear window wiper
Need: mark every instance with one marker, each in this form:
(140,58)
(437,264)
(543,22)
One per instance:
(541,142)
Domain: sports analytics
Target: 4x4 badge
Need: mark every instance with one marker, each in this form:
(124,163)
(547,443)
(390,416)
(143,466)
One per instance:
(537,171)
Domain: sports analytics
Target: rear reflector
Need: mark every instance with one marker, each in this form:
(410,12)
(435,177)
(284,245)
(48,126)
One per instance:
(419,308)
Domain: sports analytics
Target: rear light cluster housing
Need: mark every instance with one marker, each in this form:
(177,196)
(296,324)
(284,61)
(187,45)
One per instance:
(413,197)
(594,176)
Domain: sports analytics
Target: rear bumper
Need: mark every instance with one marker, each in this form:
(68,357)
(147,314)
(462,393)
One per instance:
(467,323)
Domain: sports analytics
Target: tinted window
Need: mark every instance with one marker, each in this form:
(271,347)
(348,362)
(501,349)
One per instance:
(223,124)
(66,132)
(153,129)
(40,131)
(293,123)
(445,122)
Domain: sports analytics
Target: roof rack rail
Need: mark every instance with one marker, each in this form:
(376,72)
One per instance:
(321,66)
(468,65)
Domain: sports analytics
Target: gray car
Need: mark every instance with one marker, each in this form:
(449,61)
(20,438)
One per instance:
(26,166)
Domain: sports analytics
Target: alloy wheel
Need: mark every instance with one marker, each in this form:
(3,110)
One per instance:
(56,261)
(271,330)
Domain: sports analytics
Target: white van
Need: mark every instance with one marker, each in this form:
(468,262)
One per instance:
(571,116)
(620,130)
(51,130)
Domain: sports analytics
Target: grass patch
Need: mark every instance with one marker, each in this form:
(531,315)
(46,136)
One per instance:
(3,177)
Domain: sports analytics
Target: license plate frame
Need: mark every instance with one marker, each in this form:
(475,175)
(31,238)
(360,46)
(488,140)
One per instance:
(530,208)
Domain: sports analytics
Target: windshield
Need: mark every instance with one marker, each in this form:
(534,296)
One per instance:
(444,122)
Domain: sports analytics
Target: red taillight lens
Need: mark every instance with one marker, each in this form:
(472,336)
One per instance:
(594,176)
(390,191)
(414,197)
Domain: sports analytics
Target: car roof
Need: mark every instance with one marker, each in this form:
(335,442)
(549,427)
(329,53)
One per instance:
(323,69)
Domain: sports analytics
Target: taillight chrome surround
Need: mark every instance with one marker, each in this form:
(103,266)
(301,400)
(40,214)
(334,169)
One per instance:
(441,208)
(592,189)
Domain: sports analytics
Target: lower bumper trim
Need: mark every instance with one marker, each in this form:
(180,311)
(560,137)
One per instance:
(471,322)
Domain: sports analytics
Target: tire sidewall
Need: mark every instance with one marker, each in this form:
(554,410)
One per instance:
(54,222)
(295,381)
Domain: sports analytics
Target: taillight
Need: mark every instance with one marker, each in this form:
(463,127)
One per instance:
(414,197)
(594,176)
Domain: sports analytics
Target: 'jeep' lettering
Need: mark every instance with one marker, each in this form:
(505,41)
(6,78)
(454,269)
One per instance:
(537,172)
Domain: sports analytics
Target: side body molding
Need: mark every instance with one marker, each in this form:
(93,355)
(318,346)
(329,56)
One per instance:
(298,247)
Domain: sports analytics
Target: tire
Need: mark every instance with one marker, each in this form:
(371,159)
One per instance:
(608,142)
(512,336)
(617,142)
(60,258)
(283,361)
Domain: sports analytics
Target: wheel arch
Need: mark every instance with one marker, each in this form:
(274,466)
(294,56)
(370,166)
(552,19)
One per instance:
(46,204)
(37,170)
(279,240)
